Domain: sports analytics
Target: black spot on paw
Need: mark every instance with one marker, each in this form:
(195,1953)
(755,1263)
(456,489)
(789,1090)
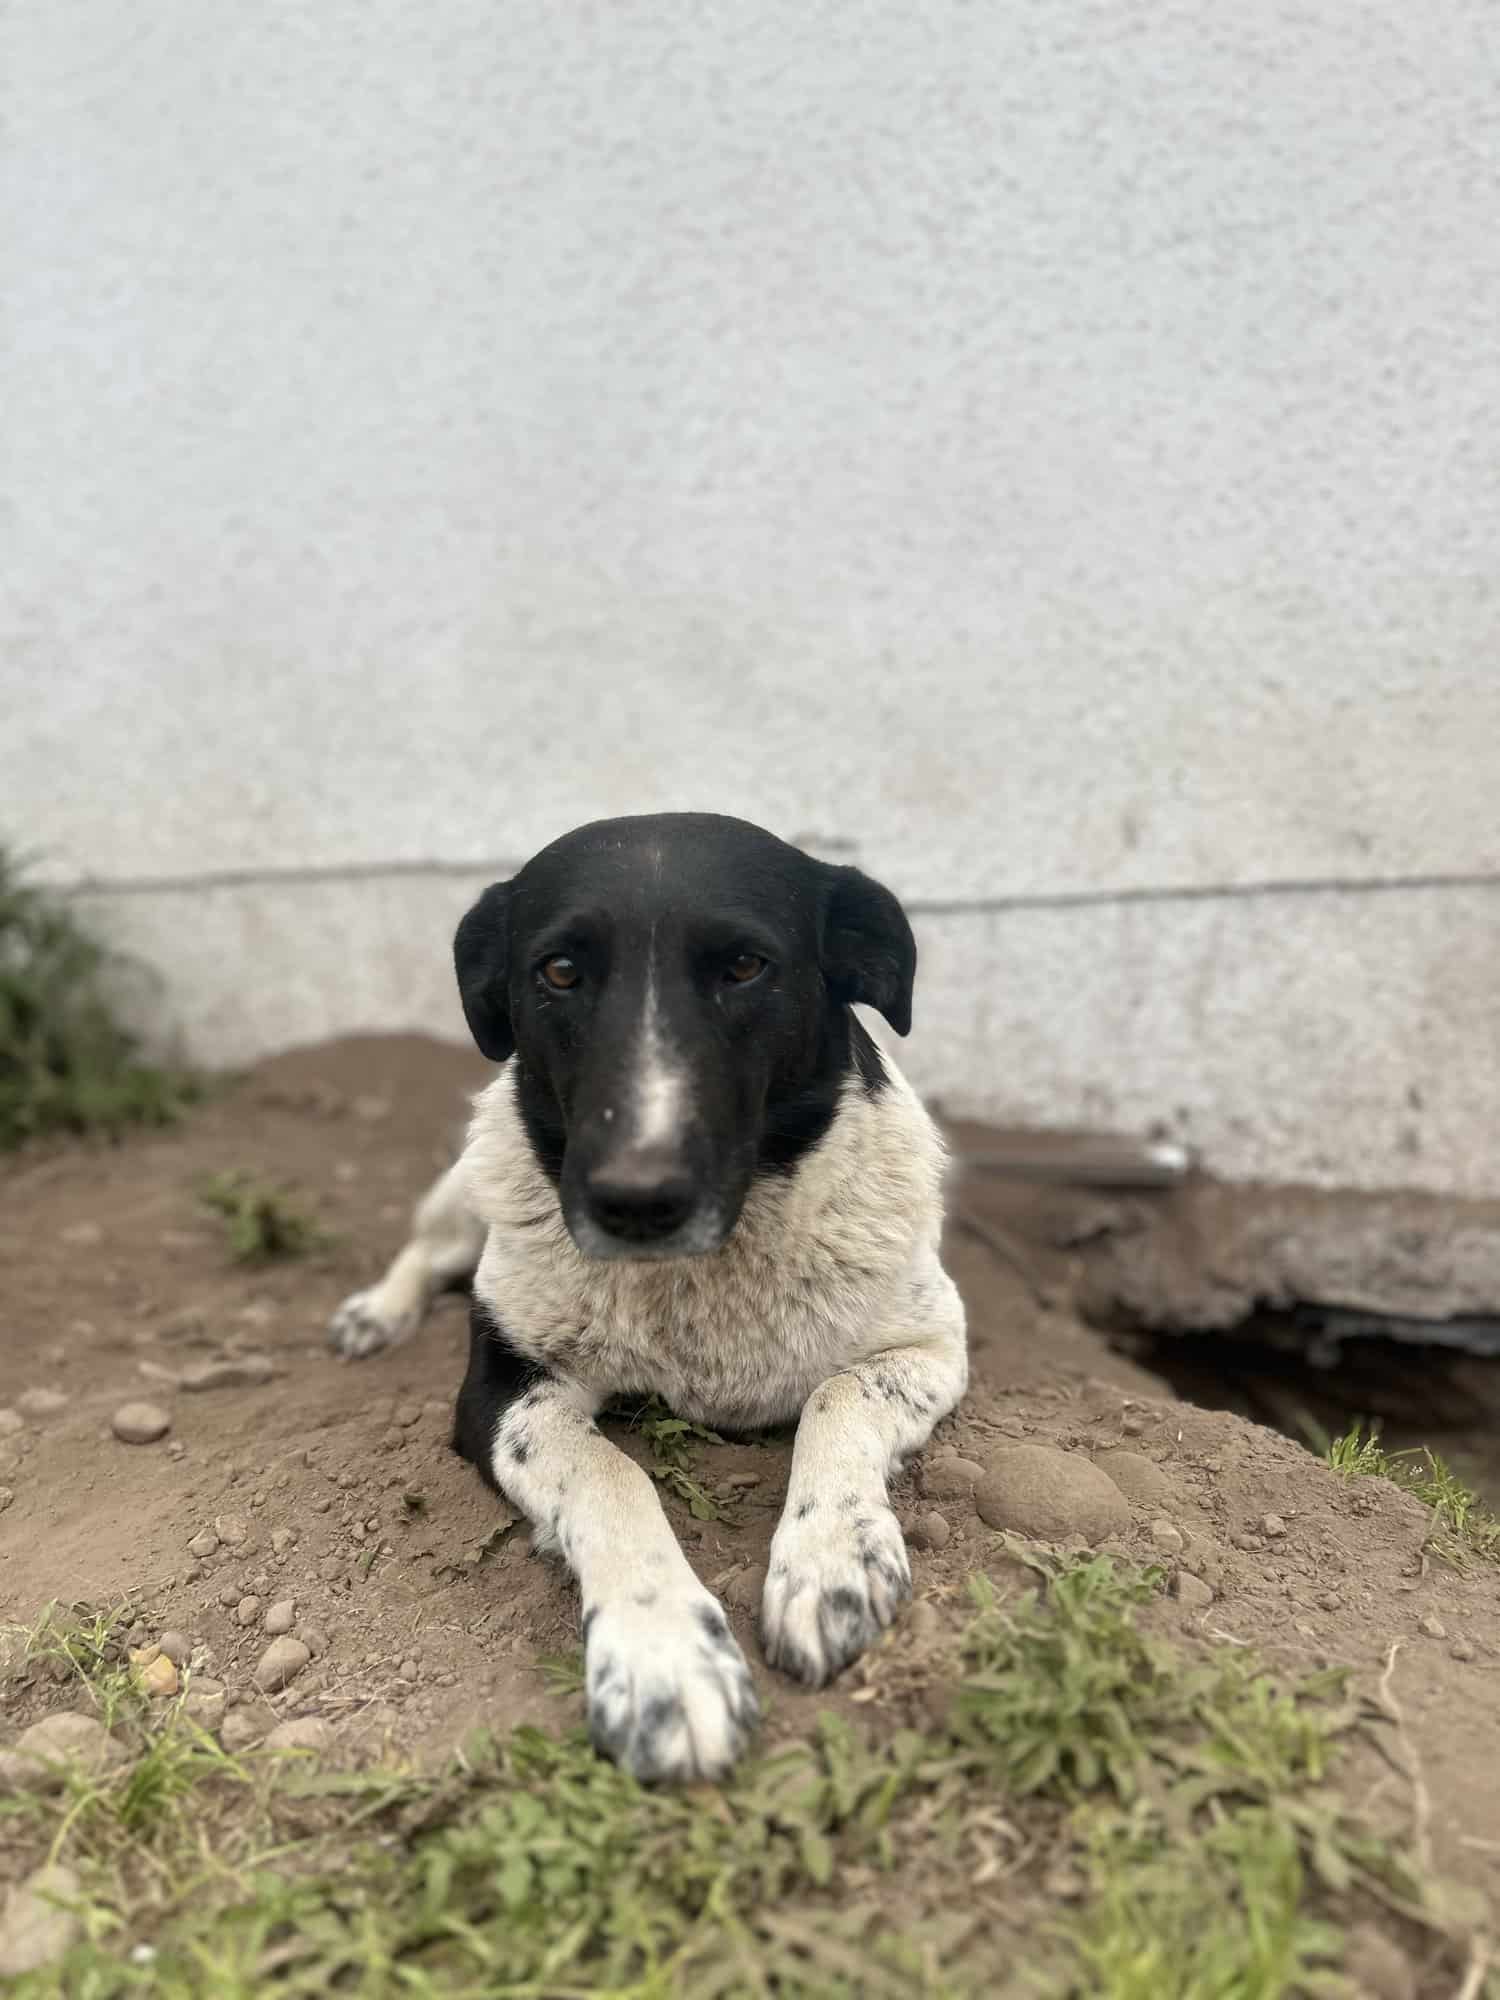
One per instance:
(804,1510)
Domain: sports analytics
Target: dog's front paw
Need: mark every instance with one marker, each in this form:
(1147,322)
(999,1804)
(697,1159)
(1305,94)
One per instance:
(363,1325)
(669,1694)
(831,1589)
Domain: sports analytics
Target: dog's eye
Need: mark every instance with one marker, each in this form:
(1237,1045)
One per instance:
(740,971)
(560,973)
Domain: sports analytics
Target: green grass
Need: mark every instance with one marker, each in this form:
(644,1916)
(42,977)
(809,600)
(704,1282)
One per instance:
(263,1224)
(1462,1523)
(673,1443)
(1190,1794)
(67,1064)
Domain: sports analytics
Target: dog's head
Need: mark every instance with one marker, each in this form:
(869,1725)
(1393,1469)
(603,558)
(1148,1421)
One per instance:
(675,989)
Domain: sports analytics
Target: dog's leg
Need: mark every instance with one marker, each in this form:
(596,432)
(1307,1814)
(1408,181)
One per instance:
(669,1694)
(838,1569)
(444,1247)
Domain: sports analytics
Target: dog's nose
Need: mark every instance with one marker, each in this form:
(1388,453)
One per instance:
(641,1197)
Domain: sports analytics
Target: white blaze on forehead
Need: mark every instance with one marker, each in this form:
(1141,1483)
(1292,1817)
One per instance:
(660,1086)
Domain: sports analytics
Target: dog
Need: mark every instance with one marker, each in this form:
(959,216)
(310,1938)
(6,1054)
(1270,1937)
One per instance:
(696,1175)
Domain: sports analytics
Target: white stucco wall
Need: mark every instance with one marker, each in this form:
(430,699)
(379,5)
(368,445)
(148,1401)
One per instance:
(1051,455)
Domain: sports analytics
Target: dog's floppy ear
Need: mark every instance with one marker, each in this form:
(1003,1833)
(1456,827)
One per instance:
(481,957)
(869,953)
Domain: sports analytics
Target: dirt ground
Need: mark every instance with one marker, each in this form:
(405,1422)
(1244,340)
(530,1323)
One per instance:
(330,1484)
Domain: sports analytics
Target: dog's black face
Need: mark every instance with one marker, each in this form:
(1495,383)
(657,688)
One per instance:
(675,990)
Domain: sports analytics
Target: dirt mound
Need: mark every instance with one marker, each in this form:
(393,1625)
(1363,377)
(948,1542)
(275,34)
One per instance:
(301,1503)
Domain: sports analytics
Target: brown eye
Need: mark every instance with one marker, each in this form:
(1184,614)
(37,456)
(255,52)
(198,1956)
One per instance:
(560,973)
(740,971)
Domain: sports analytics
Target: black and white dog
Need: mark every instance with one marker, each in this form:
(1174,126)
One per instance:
(695,1175)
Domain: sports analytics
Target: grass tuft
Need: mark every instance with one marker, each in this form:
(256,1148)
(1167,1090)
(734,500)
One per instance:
(1462,1524)
(264,1224)
(1187,1793)
(67,1063)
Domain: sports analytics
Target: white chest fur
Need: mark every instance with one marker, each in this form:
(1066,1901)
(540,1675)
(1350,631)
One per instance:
(827,1266)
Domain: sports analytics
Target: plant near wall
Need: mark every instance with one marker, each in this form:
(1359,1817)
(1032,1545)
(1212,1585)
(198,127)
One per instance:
(67,1062)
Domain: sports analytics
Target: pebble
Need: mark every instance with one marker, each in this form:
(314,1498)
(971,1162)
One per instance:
(159,1676)
(1191,1591)
(231,1530)
(11,1421)
(1051,1494)
(950,1478)
(281,1662)
(314,1638)
(744,1590)
(247,1610)
(408,1670)
(41,1402)
(204,1544)
(230,1595)
(1433,1627)
(1167,1537)
(407,1414)
(281,1617)
(1272,1526)
(1377,1966)
(282,1540)
(177,1647)
(322,1504)
(7,1494)
(302,1732)
(234,1371)
(240,1730)
(205,1701)
(58,1739)
(931,1531)
(140,1423)
(35,1930)
(1462,1649)
(1137,1477)
(392,1439)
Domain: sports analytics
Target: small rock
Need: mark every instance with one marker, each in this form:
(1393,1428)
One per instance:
(1272,1526)
(41,1402)
(35,1930)
(1329,1600)
(392,1439)
(1167,1537)
(282,1540)
(302,1732)
(7,1494)
(11,1421)
(1191,1591)
(247,1610)
(1051,1495)
(281,1617)
(949,1477)
(1133,1423)
(230,1594)
(204,1544)
(230,1371)
(1142,1482)
(241,1730)
(281,1662)
(1462,1649)
(931,1532)
(231,1530)
(205,1701)
(177,1647)
(54,1741)
(1433,1627)
(408,1670)
(159,1676)
(745,1590)
(140,1423)
(1377,1968)
(407,1414)
(922,1621)
(314,1638)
